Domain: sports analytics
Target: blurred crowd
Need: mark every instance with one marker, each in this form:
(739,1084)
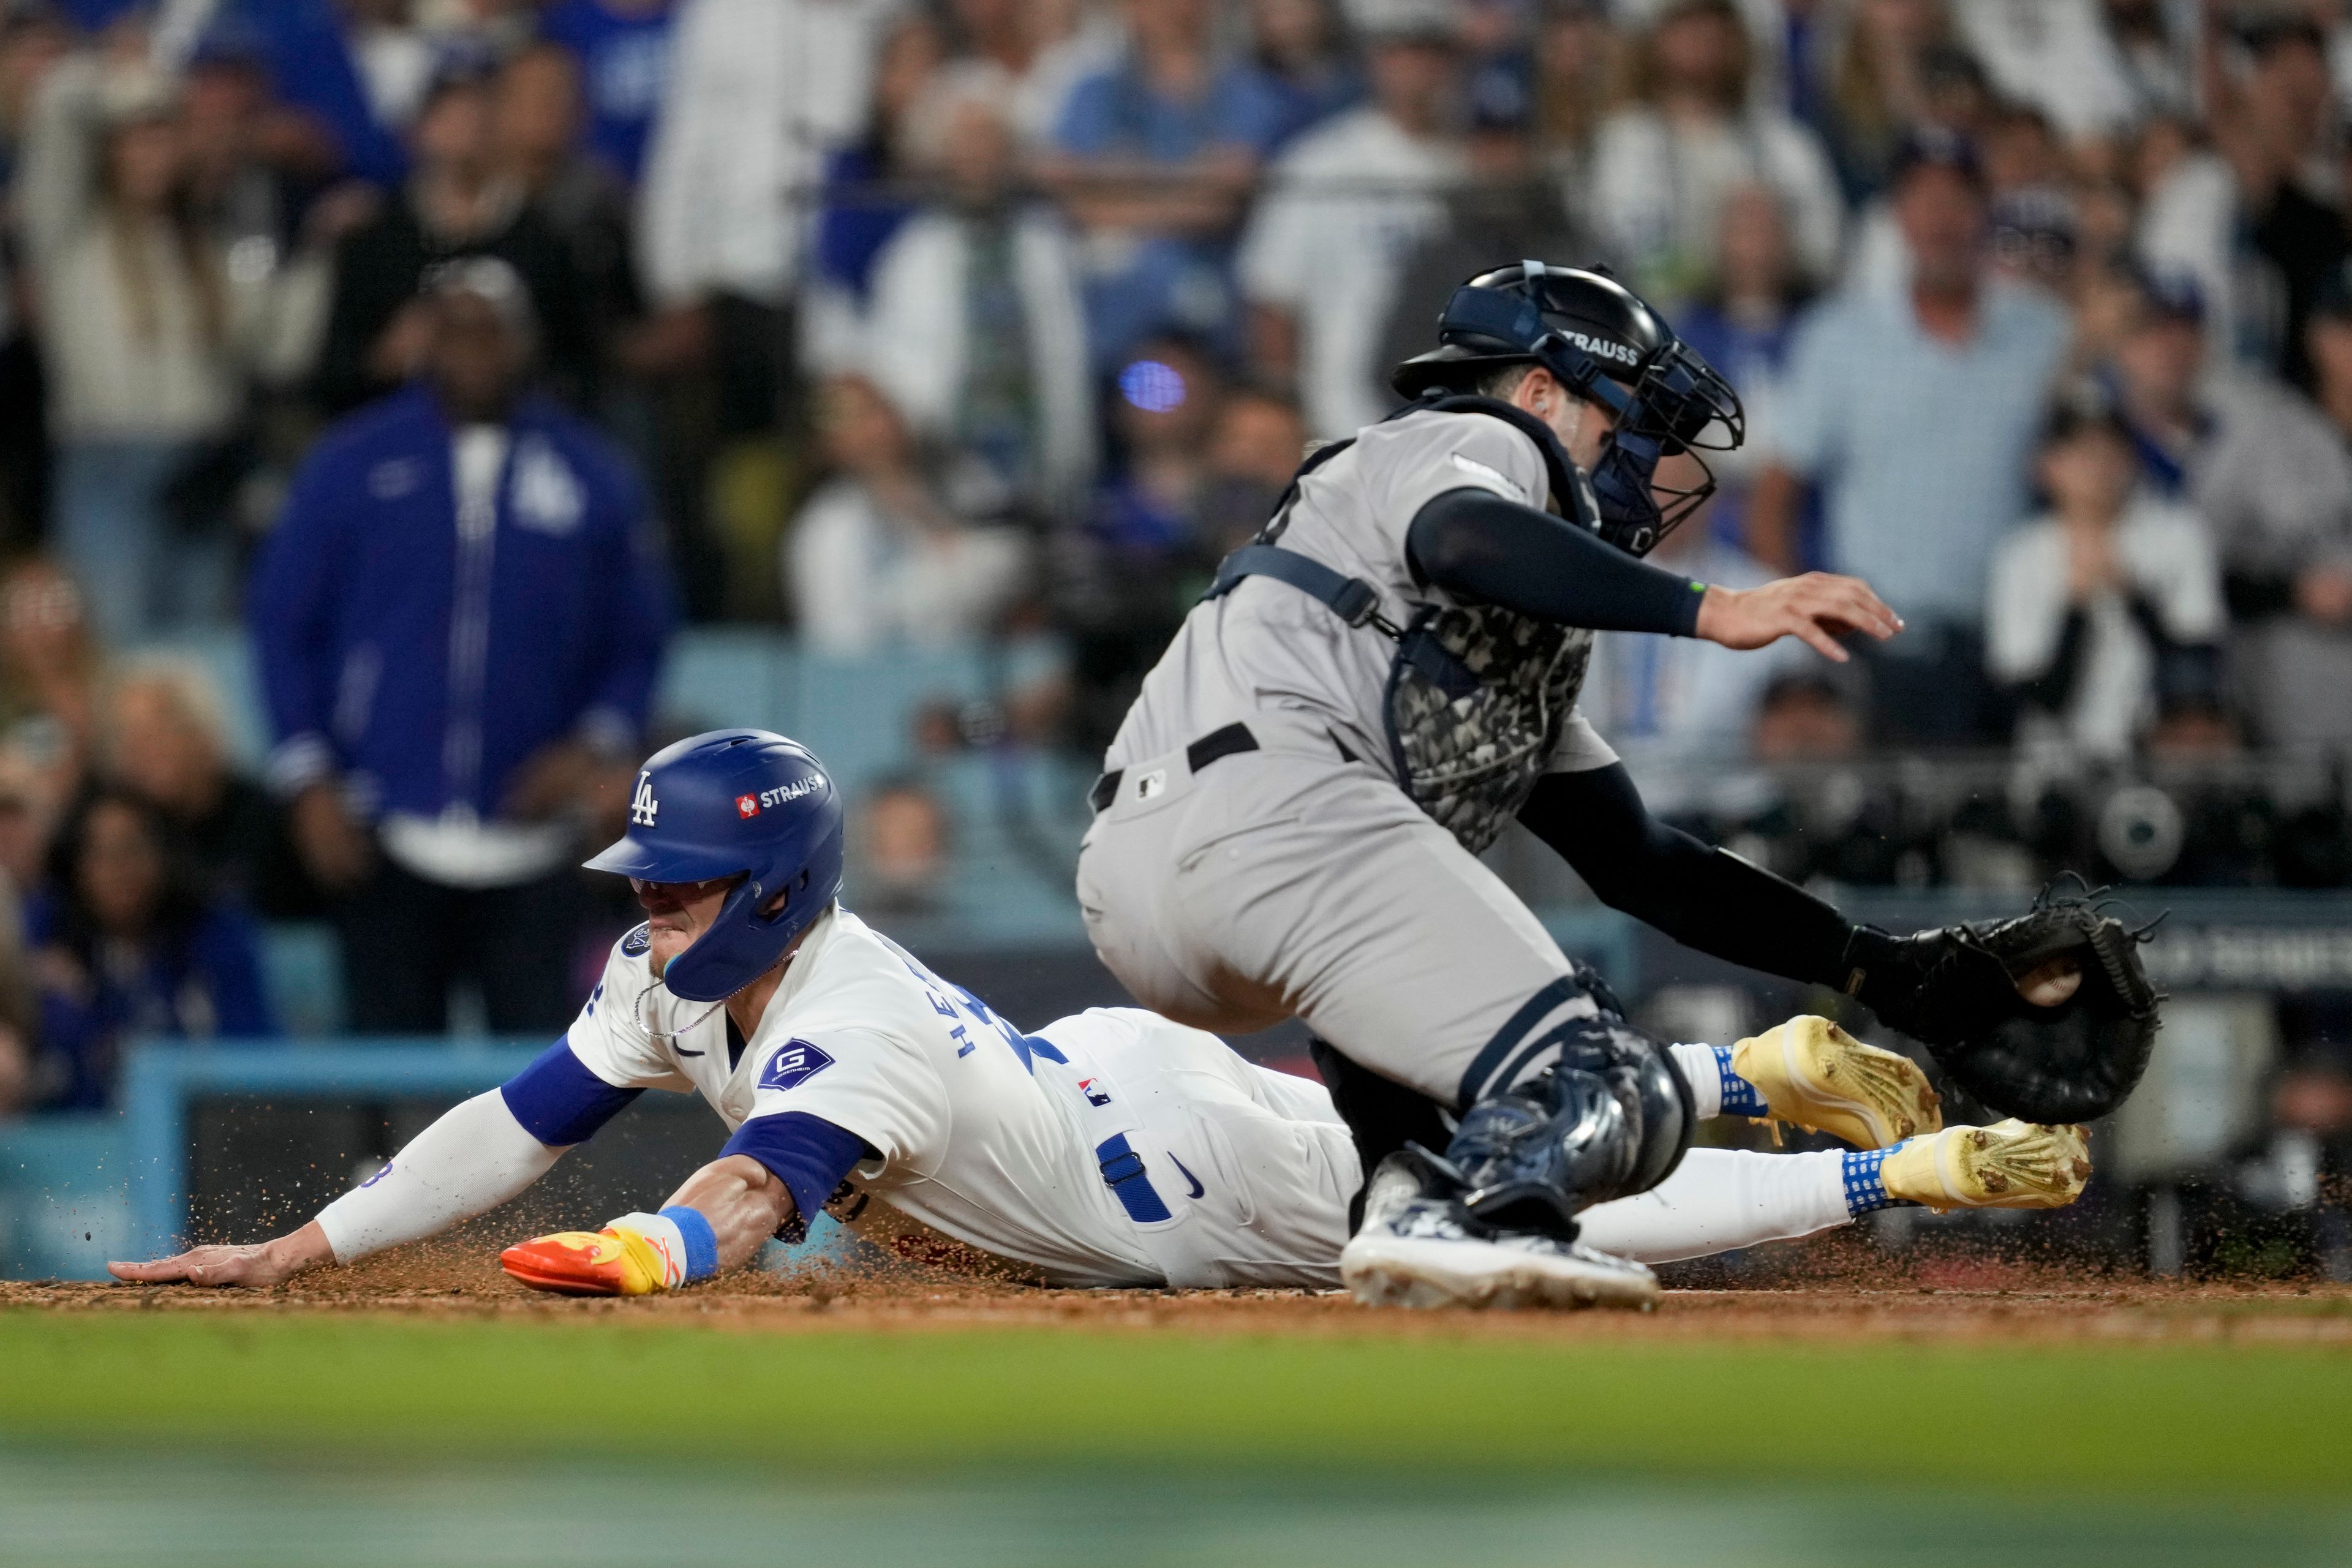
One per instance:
(462,350)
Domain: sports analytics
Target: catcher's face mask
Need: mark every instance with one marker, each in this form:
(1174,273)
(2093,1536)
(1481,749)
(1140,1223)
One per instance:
(1680,405)
(1670,401)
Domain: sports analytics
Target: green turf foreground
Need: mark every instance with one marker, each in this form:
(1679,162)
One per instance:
(166,1437)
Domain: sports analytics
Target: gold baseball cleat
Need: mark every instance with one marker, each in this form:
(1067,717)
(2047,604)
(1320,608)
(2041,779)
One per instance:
(1814,1074)
(2008,1165)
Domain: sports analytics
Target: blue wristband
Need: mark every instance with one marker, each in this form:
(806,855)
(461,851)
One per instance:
(1866,1192)
(1741,1098)
(701,1241)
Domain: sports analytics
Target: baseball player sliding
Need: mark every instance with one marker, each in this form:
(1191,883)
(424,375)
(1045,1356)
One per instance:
(1113,1148)
(1291,815)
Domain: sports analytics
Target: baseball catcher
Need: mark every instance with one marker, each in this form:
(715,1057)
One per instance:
(1113,1148)
(1290,817)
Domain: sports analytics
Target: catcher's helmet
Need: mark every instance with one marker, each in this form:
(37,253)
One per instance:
(1606,344)
(734,802)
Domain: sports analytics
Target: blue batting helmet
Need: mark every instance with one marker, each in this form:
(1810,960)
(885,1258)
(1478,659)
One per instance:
(730,803)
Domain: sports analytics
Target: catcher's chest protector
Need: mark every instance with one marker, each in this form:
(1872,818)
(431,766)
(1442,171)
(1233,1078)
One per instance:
(1477,696)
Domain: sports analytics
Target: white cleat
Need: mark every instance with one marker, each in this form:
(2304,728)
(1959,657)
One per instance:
(1415,1251)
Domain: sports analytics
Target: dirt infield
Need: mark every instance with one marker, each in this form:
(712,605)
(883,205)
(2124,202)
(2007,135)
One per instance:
(1958,1305)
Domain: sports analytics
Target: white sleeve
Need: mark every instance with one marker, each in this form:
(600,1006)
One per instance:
(2026,610)
(472,1159)
(832,576)
(676,226)
(2187,583)
(863,1081)
(1718,1199)
(1272,261)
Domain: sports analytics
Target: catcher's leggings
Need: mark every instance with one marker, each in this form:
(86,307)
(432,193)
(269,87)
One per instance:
(1287,881)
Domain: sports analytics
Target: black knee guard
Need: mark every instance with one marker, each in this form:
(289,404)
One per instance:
(1610,1119)
(1383,1115)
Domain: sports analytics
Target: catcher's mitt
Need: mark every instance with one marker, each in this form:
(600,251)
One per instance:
(1958,989)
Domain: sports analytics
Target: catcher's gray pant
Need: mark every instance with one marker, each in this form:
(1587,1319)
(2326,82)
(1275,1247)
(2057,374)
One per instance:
(1287,881)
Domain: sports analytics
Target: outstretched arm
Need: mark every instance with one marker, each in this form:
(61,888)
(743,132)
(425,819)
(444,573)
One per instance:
(471,1160)
(1488,549)
(1703,897)
(476,1157)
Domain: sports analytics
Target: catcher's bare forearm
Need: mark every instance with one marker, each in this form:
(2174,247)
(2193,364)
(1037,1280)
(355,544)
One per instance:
(744,1202)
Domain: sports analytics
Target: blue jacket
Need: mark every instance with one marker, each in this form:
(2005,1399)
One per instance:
(305,47)
(428,669)
(201,983)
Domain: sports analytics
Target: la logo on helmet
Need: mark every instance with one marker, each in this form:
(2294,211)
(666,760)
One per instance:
(643,806)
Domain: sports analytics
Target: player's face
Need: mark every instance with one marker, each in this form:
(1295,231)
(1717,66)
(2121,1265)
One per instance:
(677,913)
(1583,428)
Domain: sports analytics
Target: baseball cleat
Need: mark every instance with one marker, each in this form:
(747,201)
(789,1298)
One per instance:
(606,1262)
(2008,1165)
(1814,1074)
(1416,1250)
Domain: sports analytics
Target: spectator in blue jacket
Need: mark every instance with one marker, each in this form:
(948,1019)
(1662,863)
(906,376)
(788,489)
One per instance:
(129,947)
(458,619)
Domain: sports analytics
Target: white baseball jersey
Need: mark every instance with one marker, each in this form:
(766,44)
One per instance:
(1267,645)
(1114,1148)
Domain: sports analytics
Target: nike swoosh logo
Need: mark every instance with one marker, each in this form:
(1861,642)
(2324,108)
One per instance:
(681,1050)
(1197,1188)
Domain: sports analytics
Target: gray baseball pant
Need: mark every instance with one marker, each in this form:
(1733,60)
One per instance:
(1288,881)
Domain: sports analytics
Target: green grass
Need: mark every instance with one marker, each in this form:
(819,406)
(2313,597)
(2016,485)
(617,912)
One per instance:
(2151,1419)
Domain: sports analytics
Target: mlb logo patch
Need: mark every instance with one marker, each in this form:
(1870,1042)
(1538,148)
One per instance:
(1095,1092)
(794,1063)
(746,806)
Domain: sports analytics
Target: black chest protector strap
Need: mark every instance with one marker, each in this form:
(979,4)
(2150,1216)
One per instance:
(1352,599)
(1476,694)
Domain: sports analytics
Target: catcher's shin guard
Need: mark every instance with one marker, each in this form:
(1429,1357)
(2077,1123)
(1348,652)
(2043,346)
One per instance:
(1610,1119)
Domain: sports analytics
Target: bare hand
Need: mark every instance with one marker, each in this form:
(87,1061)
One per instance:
(255,1267)
(674,340)
(2324,593)
(400,349)
(1818,606)
(552,780)
(335,849)
(2091,562)
(339,211)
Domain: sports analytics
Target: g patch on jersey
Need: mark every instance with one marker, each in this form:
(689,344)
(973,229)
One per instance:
(794,1063)
(637,943)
